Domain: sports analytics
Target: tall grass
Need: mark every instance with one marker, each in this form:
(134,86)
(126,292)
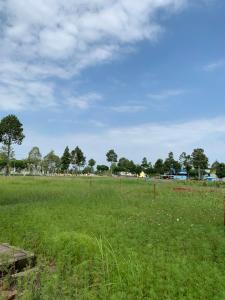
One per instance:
(108,240)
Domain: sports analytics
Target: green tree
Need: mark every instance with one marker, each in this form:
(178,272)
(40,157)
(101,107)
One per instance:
(220,170)
(66,160)
(11,132)
(159,166)
(34,160)
(3,158)
(186,162)
(123,165)
(102,169)
(77,158)
(146,166)
(200,161)
(214,166)
(144,163)
(87,170)
(91,164)
(18,165)
(51,163)
(138,169)
(171,165)
(111,157)
(182,159)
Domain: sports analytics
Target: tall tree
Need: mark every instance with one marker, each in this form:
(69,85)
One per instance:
(182,158)
(111,157)
(34,159)
(66,160)
(3,157)
(171,165)
(200,161)
(11,132)
(220,170)
(91,164)
(51,163)
(125,165)
(214,166)
(186,162)
(159,166)
(146,166)
(144,163)
(77,158)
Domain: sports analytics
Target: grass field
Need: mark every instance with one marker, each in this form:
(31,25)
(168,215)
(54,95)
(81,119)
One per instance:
(110,239)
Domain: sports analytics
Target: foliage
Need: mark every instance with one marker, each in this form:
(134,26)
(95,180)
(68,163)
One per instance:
(34,156)
(51,163)
(200,160)
(11,132)
(144,163)
(159,166)
(185,162)
(19,165)
(125,165)
(220,170)
(91,164)
(65,160)
(102,168)
(87,170)
(171,166)
(77,158)
(34,160)
(111,156)
(147,166)
(214,166)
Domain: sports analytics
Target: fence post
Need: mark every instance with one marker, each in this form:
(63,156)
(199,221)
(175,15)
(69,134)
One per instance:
(154,191)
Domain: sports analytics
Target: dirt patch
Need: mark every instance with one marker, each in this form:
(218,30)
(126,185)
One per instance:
(189,189)
(184,189)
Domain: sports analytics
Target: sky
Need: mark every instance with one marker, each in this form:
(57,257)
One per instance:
(142,77)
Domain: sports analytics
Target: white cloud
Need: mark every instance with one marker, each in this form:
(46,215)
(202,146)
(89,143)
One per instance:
(153,140)
(128,108)
(165,94)
(50,39)
(214,65)
(84,101)
(15,95)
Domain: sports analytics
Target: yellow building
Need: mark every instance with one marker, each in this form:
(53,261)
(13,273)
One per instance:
(142,174)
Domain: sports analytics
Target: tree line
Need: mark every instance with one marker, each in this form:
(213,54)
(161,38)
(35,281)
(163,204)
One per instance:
(74,161)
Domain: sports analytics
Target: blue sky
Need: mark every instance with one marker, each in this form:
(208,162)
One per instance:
(142,77)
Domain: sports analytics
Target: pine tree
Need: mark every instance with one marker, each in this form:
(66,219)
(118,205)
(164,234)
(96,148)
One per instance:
(65,160)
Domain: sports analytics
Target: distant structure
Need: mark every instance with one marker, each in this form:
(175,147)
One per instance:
(182,175)
(142,175)
(210,176)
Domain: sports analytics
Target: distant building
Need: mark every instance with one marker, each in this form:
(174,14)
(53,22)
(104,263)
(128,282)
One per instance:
(142,175)
(182,175)
(126,174)
(210,176)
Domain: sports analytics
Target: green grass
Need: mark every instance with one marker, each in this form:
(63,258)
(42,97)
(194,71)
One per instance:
(113,240)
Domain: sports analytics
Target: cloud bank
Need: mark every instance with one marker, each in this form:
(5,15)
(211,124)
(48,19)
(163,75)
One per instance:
(52,39)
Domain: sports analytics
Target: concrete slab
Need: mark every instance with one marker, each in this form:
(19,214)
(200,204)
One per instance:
(14,260)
